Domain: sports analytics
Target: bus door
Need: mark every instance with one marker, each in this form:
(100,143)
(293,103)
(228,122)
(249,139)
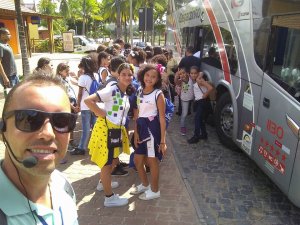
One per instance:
(277,128)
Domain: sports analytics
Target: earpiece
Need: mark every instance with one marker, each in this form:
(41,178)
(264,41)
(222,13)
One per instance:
(2,126)
(29,161)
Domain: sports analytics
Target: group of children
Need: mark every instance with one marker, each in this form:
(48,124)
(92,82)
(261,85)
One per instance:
(194,89)
(128,86)
(122,87)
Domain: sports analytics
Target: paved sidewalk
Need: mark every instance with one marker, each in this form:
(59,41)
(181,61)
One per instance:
(175,207)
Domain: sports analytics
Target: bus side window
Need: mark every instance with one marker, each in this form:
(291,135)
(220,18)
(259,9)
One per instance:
(284,67)
(209,41)
(230,50)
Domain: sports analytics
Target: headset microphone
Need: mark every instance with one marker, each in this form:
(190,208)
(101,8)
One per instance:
(28,162)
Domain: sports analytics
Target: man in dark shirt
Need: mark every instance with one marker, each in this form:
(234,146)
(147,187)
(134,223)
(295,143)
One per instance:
(212,59)
(189,60)
(8,69)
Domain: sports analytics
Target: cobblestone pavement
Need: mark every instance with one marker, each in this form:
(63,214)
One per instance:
(229,188)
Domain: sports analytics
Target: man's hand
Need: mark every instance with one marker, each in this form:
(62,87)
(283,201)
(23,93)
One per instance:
(6,82)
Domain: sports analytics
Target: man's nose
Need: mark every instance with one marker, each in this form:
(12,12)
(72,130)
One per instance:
(47,131)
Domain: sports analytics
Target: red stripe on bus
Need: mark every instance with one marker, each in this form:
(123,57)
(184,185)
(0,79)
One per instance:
(218,35)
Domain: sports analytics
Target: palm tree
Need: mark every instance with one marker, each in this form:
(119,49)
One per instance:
(64,9)
(22,38)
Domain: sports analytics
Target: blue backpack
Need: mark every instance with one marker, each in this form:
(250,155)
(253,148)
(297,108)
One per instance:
(169,109)
(94,86)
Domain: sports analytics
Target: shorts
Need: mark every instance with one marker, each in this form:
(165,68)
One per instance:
(110,157)
(149,148)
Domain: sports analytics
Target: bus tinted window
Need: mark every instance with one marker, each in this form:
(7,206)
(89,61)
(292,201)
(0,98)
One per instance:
(230,50)
(261,32)
(209,41)
(285,55)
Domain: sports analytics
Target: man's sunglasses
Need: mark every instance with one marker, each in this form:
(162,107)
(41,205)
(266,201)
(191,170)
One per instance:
(31,120)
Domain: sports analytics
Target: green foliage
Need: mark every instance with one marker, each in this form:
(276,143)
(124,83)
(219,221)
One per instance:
(43,46)
(99,13)
(47,7)
(60,26)
(58,45)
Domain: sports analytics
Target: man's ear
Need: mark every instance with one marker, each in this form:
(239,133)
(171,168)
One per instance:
(2,130)
(2,126)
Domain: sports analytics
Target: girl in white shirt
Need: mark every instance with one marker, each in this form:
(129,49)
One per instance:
(103,63)
(88,119)
(186,96)
(150,131)
(113,115)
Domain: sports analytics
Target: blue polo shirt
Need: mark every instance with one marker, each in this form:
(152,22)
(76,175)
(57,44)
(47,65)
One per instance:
(15,205)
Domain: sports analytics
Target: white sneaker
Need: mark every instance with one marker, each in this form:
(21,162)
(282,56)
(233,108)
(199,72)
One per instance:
(139,189)
(115,201)
(114,184)
(149,194)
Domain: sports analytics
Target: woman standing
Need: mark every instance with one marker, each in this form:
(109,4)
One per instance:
(62,71)
(87,118)
(171,66)
(116,105)
(44,67)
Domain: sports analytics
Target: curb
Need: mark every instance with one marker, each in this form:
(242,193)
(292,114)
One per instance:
(201,218)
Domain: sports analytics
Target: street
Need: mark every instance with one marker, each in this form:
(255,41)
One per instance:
(228,187)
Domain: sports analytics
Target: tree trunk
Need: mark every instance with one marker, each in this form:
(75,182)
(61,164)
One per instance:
(84,18)
(22,38)
(125,28)
(118,22)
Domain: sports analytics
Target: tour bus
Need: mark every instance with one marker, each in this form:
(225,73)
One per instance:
(258,88)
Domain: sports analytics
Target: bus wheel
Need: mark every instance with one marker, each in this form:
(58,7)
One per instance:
(224,121)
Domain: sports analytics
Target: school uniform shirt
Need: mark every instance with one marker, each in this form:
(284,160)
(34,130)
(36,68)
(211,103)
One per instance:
(146,103)
(187,91)
(116,104)
(101,69)
(148,125)
(84,81)
(135,71)
(199,92)
(15,205)
(70,90)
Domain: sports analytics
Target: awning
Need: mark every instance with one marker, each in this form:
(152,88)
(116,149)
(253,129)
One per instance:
(7,10)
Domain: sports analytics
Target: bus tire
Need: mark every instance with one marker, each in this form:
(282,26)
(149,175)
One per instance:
(224,121)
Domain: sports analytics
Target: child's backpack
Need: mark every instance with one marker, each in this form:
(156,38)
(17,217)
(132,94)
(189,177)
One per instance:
(169,108)
(94,86)
(109,80)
